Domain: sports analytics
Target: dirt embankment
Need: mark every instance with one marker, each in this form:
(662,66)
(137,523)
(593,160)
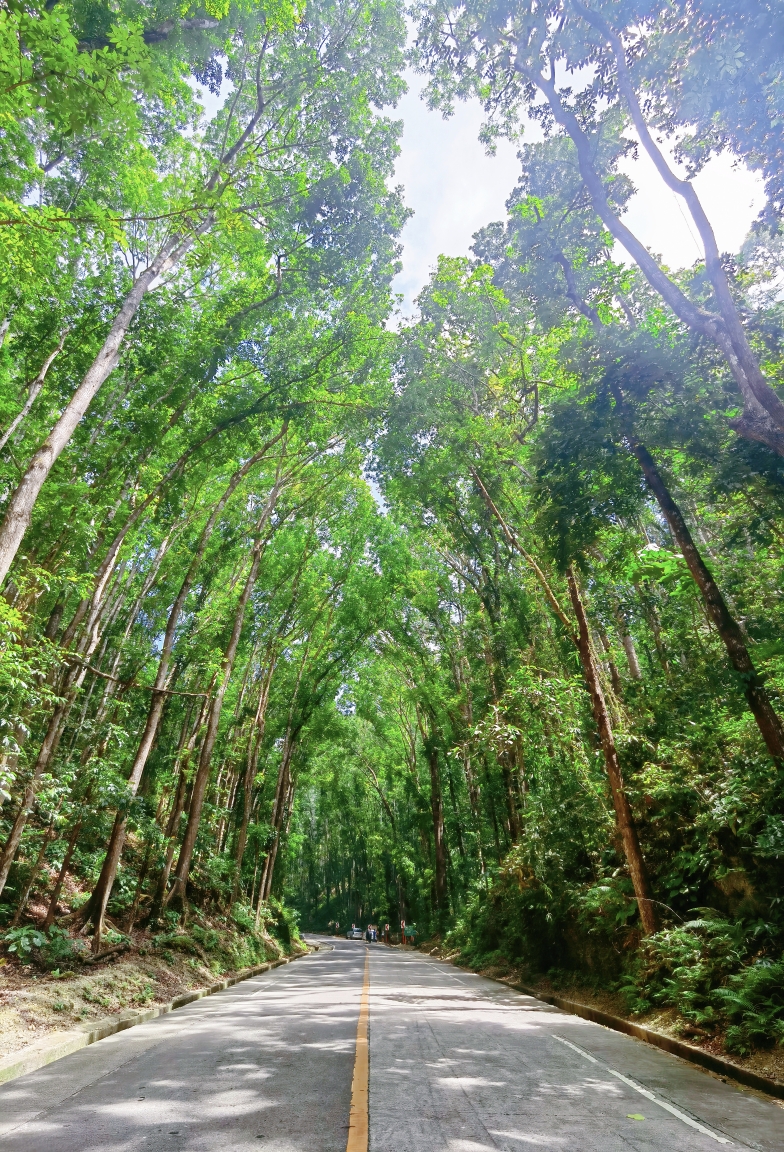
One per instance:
(766,1062)
(151,971)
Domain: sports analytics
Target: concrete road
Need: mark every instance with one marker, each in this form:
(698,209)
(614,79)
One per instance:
(457,1063)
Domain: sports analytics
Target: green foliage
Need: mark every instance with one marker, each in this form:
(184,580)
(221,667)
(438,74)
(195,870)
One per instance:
(47,949)
(23,940)
(753,1002)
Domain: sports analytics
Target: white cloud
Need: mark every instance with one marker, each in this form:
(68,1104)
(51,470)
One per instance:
(455,189)
(731,195)
(450,182)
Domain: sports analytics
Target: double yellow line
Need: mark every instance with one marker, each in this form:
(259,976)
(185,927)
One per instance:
(358,1117)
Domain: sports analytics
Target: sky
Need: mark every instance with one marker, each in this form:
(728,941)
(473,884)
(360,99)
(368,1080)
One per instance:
(455,189)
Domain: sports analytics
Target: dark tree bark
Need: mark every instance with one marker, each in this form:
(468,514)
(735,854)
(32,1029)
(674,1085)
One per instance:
(623,813)
(439,841)
(66,864)
(757,697)
(201,780)
(251,767)
(282,787)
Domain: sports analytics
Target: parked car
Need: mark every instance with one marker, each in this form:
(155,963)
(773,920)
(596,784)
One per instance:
(354,934)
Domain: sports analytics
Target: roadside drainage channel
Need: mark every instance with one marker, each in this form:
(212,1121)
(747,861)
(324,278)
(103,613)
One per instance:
(60,1044)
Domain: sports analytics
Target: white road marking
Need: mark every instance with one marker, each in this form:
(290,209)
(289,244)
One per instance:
(644,1092)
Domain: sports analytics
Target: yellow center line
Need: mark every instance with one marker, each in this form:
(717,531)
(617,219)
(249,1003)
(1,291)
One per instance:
(358,1117)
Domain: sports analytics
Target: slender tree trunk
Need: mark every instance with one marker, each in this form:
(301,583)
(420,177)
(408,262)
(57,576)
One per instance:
(201,780)
(48,748)
(139,888)
(623,811)
(111,861)
(66,864)
(512,812)
(456,811)
(178,807)
(276,821)
(437,811)
(757,697)
(20,507)
(731,338)
(93,609)
(251,767)
(628,647)
(763,416)
(33,390)
(100,896)
(34,873)
(615,678)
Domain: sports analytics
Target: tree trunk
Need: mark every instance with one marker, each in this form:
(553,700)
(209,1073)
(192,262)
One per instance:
(628,647)
(52,909)
(33,390)
(732,339)
(201,780)
(34,872)
(276,820)
(48,748)
(763,416)
(615,679)
(20,507)
(623,812)
(512,811)
(251,767)
(437,810)
(759,703)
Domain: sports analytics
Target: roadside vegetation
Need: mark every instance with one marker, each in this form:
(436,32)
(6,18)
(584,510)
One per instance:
(473,620)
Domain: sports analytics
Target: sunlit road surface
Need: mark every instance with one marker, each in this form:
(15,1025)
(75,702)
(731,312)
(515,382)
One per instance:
(457,1063)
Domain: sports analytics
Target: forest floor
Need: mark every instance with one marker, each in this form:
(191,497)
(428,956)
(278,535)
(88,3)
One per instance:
(151,972)
(765,1062)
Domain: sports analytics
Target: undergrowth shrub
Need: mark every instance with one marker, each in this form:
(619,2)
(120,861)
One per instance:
(48,950)
(681,968)
(753,1002)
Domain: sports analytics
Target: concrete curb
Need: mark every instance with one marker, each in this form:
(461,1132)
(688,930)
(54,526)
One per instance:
(59,1044)
(688,1052)
(660,1040)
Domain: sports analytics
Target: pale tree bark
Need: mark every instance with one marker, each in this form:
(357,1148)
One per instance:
(20,507)
(178,890)
(628,646)
(33,390)
(732,339)
(763,418)
(170,254)
(100,897)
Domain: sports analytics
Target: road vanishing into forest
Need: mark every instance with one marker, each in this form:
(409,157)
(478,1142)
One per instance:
(456,1063)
